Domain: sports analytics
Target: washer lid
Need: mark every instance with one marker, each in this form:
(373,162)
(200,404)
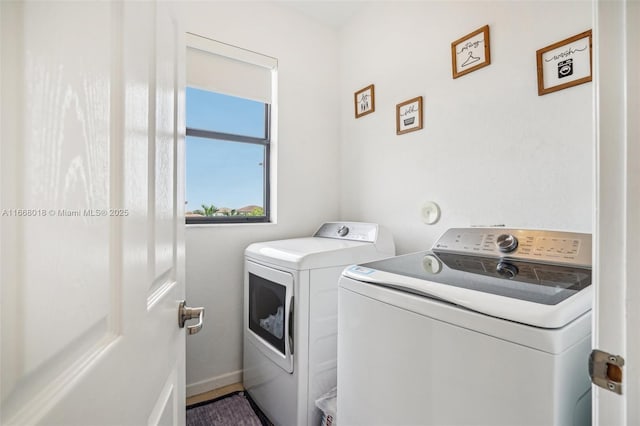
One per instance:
(540,295)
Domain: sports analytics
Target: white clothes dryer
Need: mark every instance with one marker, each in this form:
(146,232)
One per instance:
(290,315)
(491,327)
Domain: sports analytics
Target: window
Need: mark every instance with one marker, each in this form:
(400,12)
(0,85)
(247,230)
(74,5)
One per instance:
(228,143)
(227,158)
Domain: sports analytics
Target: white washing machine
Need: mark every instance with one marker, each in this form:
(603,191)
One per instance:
(290,315)
(491,327)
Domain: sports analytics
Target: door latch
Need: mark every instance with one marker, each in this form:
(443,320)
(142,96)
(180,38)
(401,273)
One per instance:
(606,370)
(186,313)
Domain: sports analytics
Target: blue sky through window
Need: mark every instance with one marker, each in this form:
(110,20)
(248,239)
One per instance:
(223,173)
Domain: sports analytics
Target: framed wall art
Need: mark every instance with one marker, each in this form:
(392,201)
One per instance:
(364,101)
(409,116)
(470,52)
(564,64)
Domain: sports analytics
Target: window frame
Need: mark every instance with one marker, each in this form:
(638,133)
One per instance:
(266,190)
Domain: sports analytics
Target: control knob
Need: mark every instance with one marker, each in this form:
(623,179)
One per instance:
(506,243)
(343,230)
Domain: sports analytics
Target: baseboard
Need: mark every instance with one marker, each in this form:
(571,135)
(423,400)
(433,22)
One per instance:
(214,383)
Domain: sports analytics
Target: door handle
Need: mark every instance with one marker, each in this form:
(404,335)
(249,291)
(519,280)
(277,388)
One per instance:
(186,313)
(291,311)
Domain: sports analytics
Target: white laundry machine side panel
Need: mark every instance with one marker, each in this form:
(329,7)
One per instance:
(573,385)
(301,345)
(399,367)
(282,396)
(323,336)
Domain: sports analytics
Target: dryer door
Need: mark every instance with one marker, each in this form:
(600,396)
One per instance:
(269,312)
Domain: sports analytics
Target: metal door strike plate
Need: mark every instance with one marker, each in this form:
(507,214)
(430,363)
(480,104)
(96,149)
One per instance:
(606,370)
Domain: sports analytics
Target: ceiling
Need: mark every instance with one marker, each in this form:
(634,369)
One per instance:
(333,13)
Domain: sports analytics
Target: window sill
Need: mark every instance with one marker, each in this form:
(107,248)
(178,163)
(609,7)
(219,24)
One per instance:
(228,224)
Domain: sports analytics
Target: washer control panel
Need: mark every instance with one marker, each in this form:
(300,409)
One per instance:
(355,231)
(566,248)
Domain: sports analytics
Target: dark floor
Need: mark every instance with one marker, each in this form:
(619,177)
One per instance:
(233,409)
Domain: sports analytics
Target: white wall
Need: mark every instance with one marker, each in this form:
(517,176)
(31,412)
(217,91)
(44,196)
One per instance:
(492,151)
(308,172)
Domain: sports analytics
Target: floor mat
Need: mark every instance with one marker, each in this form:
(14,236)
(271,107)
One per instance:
(229,410)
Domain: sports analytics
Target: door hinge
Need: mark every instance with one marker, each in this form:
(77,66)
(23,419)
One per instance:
(606,370)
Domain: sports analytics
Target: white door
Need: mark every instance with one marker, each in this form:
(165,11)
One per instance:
(617,219)
(91,234)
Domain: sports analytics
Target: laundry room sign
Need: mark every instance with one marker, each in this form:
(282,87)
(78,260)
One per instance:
(564,64)
(365,101)
(470,52)
(409,116)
